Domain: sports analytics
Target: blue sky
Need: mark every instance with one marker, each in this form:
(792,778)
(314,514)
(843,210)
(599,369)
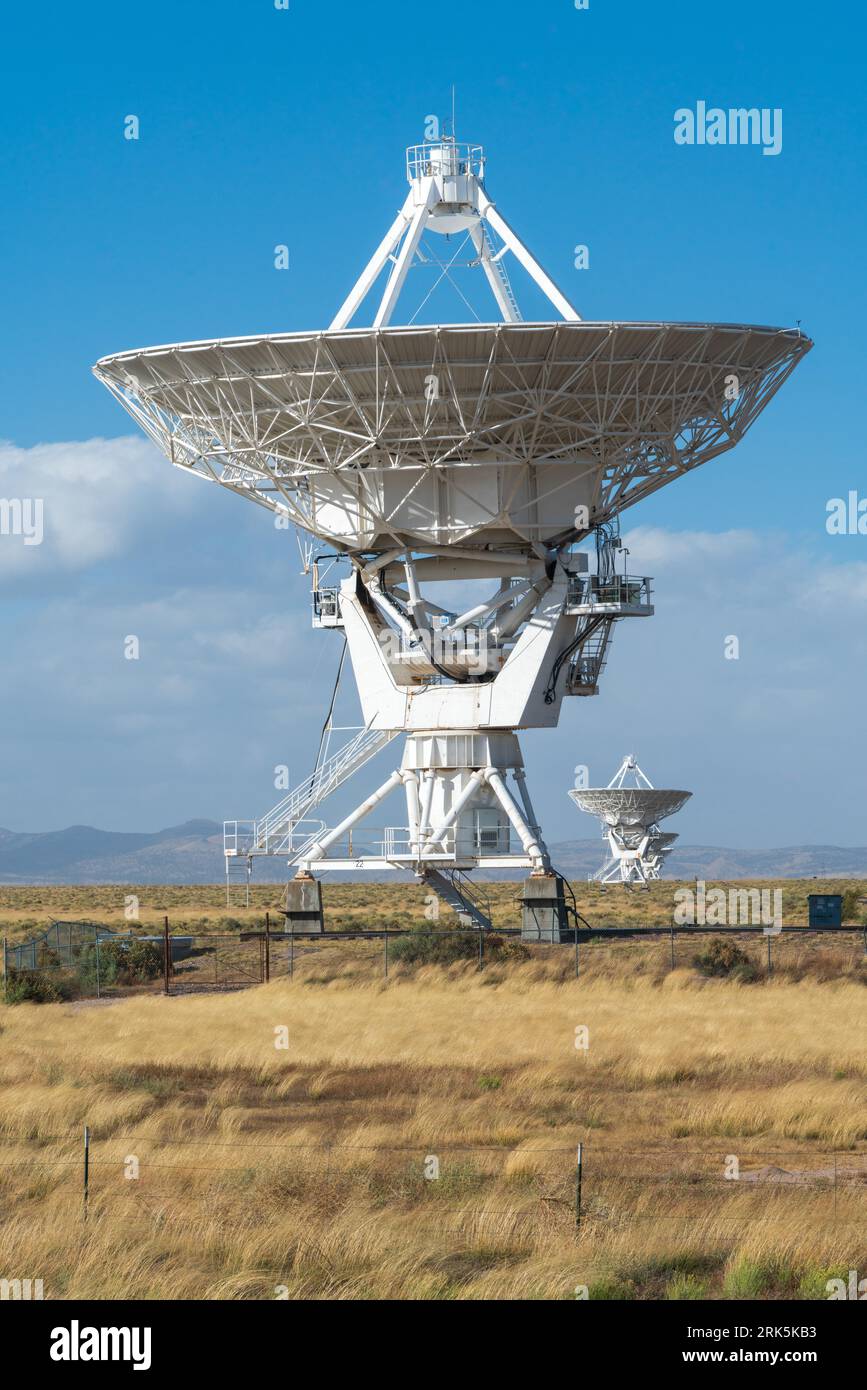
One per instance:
(261,127)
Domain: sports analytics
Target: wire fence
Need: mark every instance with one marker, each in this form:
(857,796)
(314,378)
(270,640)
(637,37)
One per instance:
(85,960)
(136,1175)
(88,961)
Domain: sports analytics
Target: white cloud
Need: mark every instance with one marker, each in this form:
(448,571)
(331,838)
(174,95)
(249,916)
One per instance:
(96,496)
(653,546)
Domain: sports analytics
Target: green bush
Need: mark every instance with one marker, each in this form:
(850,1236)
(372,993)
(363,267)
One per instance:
(424,947)
(143,961)
(96,965)
(725,959)
(33,987)
(121,962)
(851,905)
(510,952)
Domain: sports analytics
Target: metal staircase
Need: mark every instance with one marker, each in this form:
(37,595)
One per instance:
(588,661)
(274,833)
(274,828)
(466,899)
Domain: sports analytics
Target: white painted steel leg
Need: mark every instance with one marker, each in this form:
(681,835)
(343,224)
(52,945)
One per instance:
(528,261)
(404,259)
(413,807)
(365,280)
(531,845)
(426,802)
(525,797)
(318,849)
(448,821)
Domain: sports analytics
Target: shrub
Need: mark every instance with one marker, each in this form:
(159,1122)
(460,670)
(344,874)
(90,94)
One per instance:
(851,906)
(121,962)
(725,959)
(33,987)
(143,961)
(424,947)
(510,952)
(97,965)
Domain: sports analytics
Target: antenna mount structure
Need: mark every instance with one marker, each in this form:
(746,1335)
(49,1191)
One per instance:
(630,809)
(426,456)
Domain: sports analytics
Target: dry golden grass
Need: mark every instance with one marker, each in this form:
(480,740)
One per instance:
(25,910)
(300,1168)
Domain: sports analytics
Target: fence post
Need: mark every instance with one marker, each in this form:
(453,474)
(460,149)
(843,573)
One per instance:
(576,948)
(385,944)
(672,947)
(86,1167)
(96,946)
(481,950)
(292,951)
(835,1186)
(578,1168)
(166,957)
(770,962)
(6,970)
(267,947)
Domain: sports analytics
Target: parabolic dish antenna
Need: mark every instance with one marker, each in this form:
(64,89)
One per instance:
(630,816)
(631,805)
(469,452)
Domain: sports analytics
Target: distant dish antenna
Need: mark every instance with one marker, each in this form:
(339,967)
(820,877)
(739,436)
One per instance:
(630,809)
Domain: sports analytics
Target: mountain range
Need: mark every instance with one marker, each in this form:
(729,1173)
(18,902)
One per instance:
(193,853)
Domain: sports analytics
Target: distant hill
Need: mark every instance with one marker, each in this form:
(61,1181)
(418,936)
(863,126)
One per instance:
(193,853)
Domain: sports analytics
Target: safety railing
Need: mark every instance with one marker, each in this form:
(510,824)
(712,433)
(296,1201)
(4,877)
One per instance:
(620,595)
(448,157)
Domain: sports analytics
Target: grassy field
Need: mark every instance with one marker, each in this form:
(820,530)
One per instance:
(25,910)
(282,1135)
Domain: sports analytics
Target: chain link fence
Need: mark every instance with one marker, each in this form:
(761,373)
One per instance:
(84,960)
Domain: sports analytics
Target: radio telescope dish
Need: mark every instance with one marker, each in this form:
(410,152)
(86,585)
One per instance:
(485,436)
(470,452)
(630,806)
(630,816)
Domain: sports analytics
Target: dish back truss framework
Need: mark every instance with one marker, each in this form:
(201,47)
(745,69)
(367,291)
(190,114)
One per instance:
(479,453)
(630,809)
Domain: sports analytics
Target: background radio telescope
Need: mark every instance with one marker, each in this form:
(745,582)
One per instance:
(479,453)
(630,809)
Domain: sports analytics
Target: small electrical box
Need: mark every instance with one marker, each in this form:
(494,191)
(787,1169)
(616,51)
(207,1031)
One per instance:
(826,909)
